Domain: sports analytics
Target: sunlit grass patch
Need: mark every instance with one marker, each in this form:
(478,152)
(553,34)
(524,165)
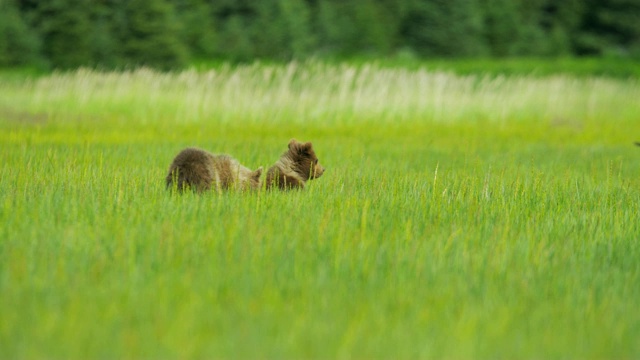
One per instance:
(459,216)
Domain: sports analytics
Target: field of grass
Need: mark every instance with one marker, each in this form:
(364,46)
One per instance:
(460,216)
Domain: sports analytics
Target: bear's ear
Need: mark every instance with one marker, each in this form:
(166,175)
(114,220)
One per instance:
(304,148)
(256,174)
(299,148)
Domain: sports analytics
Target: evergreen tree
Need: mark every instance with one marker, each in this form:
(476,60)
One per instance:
(65,29)
(280,29)
(444,28)
(151,35)
(501,26)
(198,31)
(266,30)
(610,27)
(560,19)
(296,23)
(233,19)
(19,45)
(107,19)
(162,33)
(351,27)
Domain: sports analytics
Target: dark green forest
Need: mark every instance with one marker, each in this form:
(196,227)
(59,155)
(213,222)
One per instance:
(168,34)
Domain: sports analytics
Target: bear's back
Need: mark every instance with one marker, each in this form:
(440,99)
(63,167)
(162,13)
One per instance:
(193,168)
(200,170)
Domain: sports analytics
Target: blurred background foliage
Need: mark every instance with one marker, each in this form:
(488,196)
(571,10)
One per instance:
(168,34)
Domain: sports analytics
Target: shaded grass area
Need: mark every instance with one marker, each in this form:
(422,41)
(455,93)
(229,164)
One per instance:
(578,67)
(538,67)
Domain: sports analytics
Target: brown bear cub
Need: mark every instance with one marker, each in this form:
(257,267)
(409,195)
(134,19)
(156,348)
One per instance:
(295,167)
(200,171)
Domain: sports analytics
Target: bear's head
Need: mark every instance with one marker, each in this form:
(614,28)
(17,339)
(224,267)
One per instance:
(305,160)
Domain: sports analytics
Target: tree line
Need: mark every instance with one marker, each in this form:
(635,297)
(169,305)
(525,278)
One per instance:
(169,34)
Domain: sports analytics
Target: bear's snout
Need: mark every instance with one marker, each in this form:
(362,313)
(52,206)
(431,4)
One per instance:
(318,170)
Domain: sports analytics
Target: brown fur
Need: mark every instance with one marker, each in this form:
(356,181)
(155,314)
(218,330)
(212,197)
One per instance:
(200,171)
(295,167)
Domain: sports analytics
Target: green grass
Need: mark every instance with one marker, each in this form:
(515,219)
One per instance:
(459,216)
(579,67)
(582,67)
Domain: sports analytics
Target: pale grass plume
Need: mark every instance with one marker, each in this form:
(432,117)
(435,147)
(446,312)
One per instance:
(314,92)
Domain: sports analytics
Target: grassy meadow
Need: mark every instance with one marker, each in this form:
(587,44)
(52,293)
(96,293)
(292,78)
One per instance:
(460,216)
